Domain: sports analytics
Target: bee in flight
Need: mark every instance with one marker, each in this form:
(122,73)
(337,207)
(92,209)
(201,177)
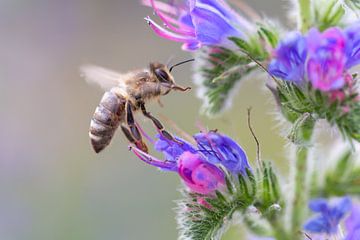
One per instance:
(125,94)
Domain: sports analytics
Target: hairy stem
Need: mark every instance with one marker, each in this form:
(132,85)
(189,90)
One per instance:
(301,192)
(305,15)
(305,129)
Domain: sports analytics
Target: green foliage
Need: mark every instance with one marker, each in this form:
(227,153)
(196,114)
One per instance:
(353,4)
(205,217)
(296,101)
(328,15)
(302,129)
(224,68)
(344,179)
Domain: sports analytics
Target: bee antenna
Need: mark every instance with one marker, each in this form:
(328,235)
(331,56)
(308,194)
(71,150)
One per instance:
(180,63)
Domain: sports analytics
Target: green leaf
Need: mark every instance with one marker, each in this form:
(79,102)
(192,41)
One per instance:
(222,69)
(220,73)
(271,37)
(329,14)
(343,179)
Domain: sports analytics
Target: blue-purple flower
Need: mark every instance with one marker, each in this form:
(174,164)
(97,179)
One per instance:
(197,23)
(321,58)
(289,58)
(198,163)
(219,148)
(326,59)
(328,215)
(353,45)
(352,224)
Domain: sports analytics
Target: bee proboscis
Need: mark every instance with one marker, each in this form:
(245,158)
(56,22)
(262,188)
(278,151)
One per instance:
(126,94)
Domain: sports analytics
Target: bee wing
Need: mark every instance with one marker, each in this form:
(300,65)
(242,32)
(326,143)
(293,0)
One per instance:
(105,78)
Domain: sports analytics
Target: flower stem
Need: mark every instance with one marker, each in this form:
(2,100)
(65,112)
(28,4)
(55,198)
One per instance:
(301,185)
(300,194)
(305,15)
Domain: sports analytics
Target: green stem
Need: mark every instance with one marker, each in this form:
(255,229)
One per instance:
(280,232)
(305,15)
(301,191)
(301,185)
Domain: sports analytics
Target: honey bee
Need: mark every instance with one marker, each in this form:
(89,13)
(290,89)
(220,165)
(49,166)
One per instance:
(125,94)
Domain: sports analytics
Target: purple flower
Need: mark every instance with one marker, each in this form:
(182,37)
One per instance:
(319,58)
(172,150)
(326,59)
(197,23)
(352,224)
(353,45)
(290,57)
(219,148)
(198,164)
(328,215)
(199,175)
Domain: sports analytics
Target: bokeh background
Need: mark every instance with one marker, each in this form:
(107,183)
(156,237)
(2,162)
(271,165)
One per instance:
(52,185)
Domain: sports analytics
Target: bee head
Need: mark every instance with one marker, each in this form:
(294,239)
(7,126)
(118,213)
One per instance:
(163,75)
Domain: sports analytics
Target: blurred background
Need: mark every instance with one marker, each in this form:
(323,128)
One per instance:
(52,185)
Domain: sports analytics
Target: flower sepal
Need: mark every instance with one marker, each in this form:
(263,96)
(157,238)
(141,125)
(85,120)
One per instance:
(222,69)
(207,215)
(340,108)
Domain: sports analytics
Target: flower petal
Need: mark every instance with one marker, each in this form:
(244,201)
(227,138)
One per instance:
(171,149)
(327,58)
(169,24)
(199,175)
(318,205)
(290,57)
(211,27)
(353,48)
(219,148)
(317,225)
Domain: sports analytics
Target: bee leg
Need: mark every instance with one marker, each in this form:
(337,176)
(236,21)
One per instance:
(128,135)
(134,134)
(157,124)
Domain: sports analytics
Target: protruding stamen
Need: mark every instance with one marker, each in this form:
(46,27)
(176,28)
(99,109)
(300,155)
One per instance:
(169,24)
(166,8)
(171,166)
(167,34)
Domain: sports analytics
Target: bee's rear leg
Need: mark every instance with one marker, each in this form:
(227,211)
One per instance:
(134,135)
(158,124)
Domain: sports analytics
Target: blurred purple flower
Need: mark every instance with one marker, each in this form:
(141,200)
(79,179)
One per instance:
(290,57)
(197,164)
(353,45)
(326,59)
(328,215)
(197,23)
(352,224)
(320,58)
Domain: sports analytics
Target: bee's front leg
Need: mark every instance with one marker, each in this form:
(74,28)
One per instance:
(134,135)
(157,124)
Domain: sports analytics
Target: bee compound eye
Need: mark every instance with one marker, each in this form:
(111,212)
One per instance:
(162,75)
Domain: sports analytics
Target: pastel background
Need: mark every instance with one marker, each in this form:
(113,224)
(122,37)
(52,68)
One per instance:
(52,185)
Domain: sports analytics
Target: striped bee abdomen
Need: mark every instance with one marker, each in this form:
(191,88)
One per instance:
(106,120)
